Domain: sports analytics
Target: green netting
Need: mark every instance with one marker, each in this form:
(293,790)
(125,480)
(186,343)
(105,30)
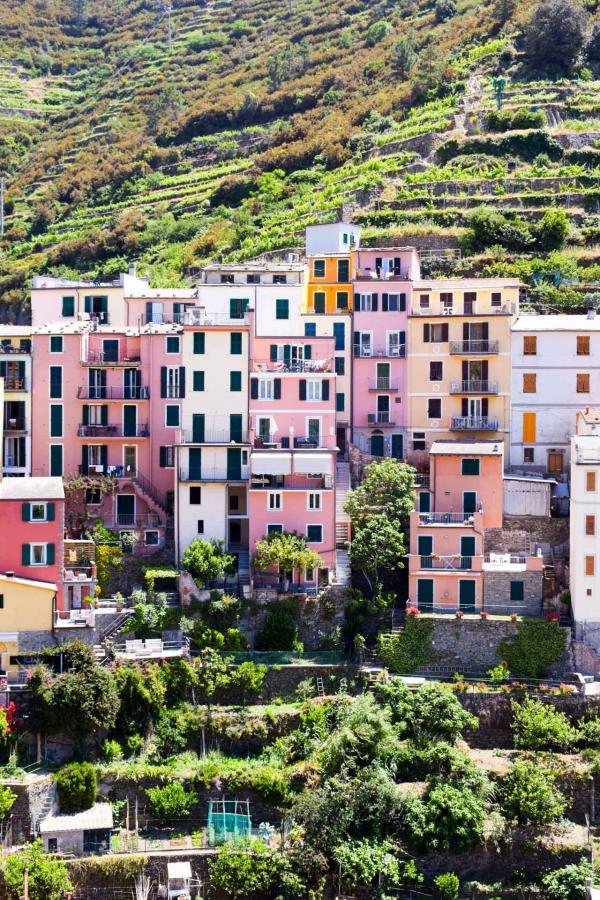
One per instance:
(228,820)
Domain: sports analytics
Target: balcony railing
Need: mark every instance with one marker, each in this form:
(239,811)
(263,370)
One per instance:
(506,558)
(214,436)
(17,423)
(131,520)
(114,431)
(378,274)
(447,518)
(380,418)
(15,384)
(422,479)
(199,316)
(448,563)
(111,471)
(395,352)
(7,347)
(291,482)
(208,473)
(464,348)
(113,393)
(313,366)
(473,387)
(277,441)
(109,358)
(384,384)
(473,423)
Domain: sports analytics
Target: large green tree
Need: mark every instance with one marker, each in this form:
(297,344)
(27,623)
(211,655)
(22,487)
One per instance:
(48,875)
(554,34)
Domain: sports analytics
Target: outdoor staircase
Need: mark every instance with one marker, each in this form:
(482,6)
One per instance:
(244,567)
(45,809)
(342,520)
(153,497)
(342,567)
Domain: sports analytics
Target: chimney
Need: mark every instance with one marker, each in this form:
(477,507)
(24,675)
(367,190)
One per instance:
(132,269)
(591,313)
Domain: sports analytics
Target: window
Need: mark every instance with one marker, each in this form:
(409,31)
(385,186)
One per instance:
(172,344)
(436,370)
(235,381)
(496,298)
(68,307)
(252,278)
(265,388)
(314,501)
(469,467)
(56,460)
(279,279)
(583,383)
(172,416)
(339,402)
(56,382)
(447,300)
(319,302)
(313,389)
(274,529)
(198,380)
(235,345)
(393,302)
(151,538)
(529,345)
(395,343)
(274,501)
(38,554)
(436,334)
(418,440)
(226,279)
(583,345)
(590,481)
(424,301)
(167,457)
(199,342)
(282,309)
(529,382)
(590,525)
(38,512)
(93,496)
(56,343)
(366,302)
(590,565)
(341,301)
(195,495)
(528,455)
(340,365)
(314,534)
(343,270)
(310,329)
(517,591)
(434,408)
(200,526)
(319,268)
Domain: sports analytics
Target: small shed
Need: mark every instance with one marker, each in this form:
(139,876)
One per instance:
(81,833)
(527,495)
(179,879)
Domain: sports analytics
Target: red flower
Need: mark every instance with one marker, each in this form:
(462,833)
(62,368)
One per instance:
(412,611)
(552,617)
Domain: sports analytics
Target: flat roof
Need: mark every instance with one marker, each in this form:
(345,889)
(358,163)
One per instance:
(43,282)
(556,322)
(32,488)
(460,283)
(258,266)
(15,330)
(464,448)
(28,582)
(508,476)
(100,816)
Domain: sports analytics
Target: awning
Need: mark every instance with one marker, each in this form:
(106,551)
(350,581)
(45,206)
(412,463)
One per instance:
(315,463)
(271,463)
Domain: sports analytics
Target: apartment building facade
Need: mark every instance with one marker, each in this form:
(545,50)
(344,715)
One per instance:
(555,372)
(16,372)
(459,344)
(584,525)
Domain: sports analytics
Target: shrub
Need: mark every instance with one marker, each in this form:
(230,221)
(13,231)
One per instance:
(361,862)
(206,560)
(110,750)
(536,647)
(530,796)
(432,713)
(590,732)
(411,648)
(48,875)
(76,784)
(7,799)
(250,869)
(540,726)
(447,885)
(448,818)
(554,34)
(280,630)
(567,883)
(377,31)
(507,120)
(208,40)
(171,801)
(444,10)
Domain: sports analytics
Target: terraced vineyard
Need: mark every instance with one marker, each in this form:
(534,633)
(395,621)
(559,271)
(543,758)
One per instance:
(261,118)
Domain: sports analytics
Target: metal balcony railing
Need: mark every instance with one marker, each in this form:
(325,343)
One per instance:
(422,479)
(473,387)
(291,482)
(451,563)
(394,352)
(214,436)
(15,384)
(380,418)
(464,348)
(103,392)
(114,431)
(131,520)
(473,423)
(447,518)
(311,366)
(384,384)
(108,358)
(7,347)
(210,473)
(15,423)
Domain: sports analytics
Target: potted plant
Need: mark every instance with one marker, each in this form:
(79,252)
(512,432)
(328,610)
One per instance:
(513,617)
(459,614)
(484,614)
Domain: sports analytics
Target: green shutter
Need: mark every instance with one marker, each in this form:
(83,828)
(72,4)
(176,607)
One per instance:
(182,381)
(163,457)
(517,591)
(104,456)
(173,416)
(87,304)
(198,381)
(56,420)
(163,381)
(302,389)
(25,554)
(235,381)
(104,414)
(26,512)
(195,463)
(339,402)
(49,554)
(235,427)
(148,312)
(199,342)
(56,460)
(84,459)
(282,309)
(273,353)
(68,307)
(307,351)
(325,389)
(51,511)
(56,343)
(55,382)
(198,432)
(85,414)
(236,343)
(470,466)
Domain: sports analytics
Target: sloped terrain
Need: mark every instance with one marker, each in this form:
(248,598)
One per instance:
(257,119)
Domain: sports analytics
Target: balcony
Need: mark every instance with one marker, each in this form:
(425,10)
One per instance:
(216,473)
(291,483)
(277,441)
(217,436)
(199,316)
(380,418)
(362,352)
(15,384)
(113,431)
(131,520)
(379,274)
(7,347)
(473,423)
(109,358)
(113,393)
(311,366)
(112,471)
(479,348)
(448,563)
(448,518)
(422,479)
(384,384)
(473,387)
(14,425)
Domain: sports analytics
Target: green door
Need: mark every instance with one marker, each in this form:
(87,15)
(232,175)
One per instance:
(425,548)
(319,303)
(198,428)
(517,593)
(376,445)
(110,351)
(129,420)
(467,552)
(195,463)
(466,595)
(425,594)
(125,509)
(235,428)
(234,464)
(397,446)
(132,384)
(469,502)
(424,501)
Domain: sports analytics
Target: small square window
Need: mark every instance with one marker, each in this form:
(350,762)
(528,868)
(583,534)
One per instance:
(56,343)
(314,534)
(93,496)
(310,329)
(314,501)
(590,481)
(418,440)
(38,512)
(38,554)
(151,538)
(529,382)
(436,371)
(470,467)
(590,565)
(496,298)
(274,501)
(234,503)
(274,529)
(279,279)
(342,300)
(528,455)
(252,278)
(424,301)
(195,496)
(434,408)
(319,268)
(200,528)
(529,345)
(226,279)
(590,525)
(583,345)
(583,383)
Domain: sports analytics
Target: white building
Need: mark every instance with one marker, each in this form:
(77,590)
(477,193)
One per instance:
(335,238)
(585,519)
(555,372)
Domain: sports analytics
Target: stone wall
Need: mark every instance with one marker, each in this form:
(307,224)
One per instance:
(518,530)
(496,590)
(317,616)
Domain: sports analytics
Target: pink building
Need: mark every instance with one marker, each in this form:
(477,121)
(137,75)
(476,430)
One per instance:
(458,502)
(93,415)
(292,431)
(382,295)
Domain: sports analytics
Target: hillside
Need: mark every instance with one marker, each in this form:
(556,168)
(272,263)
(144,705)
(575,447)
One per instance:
(261,118)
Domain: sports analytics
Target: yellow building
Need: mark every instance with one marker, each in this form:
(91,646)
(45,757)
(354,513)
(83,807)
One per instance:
(329,284)
(459,361)
(26,606)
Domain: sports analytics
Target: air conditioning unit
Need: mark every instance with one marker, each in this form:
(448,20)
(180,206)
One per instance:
(447,310)
(435,423)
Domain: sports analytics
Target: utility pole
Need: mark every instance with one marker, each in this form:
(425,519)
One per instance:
(26,884)
(169,10)
(1,204)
